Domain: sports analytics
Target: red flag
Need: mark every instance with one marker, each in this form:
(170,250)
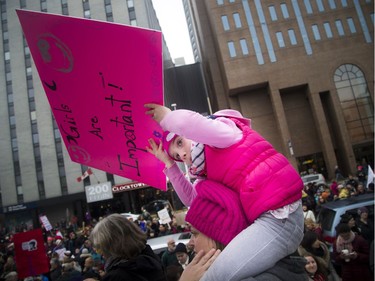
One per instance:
(30,253)
(85,175)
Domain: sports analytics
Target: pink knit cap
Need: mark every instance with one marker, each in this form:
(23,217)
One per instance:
(168,138)
(217,212)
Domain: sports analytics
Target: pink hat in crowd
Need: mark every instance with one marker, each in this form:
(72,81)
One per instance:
(168,138)
(217,212)
(233,114)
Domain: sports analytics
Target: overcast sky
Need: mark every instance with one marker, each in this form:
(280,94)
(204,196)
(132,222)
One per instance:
(174,27)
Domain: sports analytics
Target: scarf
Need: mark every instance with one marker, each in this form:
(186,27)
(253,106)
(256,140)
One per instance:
(197,168)
(342,244)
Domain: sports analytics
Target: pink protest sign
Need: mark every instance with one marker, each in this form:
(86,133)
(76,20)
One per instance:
(97,76)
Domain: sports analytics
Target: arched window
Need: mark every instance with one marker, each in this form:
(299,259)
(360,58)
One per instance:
(356,102)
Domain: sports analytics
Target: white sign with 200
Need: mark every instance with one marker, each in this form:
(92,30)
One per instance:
(99,192)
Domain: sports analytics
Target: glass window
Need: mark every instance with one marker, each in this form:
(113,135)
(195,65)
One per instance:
(6,35)
(19,190)
(10,98)
(316,33)
(232,1)
(351,25)
(332,4)
(232,50)
(133,22)
(225,22)
(273,14)
(43,6)
(11,110)
(35,138)
(56,133)
(280,39)
(344,3)
(320,5)
(362,21)
(9,76)
(108,9)
(13,133)
(308,7)
(292,37)
(32,105)
(340,28)
(30,93)
(244,48)
(372,17)
(14,144)
(356,102)
(29,71)
(12,120)
(7,56)
(132,15)
(253,32)
(33,115)
(237,20)
(284,10)
(130,3)
(87,14)
(328,30)
(220,2)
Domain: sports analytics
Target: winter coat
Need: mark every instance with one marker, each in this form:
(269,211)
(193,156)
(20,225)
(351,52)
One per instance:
(355,267)
(287,269)
(145,267)
(263,177)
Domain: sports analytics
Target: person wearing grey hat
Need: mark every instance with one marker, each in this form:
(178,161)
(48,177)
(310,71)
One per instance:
(365,226)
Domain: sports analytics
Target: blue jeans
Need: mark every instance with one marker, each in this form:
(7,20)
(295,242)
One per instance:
(258,247)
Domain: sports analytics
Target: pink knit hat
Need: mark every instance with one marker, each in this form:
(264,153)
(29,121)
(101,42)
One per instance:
(217,212)
(168,138)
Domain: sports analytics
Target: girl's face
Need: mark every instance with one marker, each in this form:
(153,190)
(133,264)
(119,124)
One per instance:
(311,266)
(180,149)
(201,241)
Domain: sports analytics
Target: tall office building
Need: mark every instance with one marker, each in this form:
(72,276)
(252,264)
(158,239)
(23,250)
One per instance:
(303,71)
(36,173)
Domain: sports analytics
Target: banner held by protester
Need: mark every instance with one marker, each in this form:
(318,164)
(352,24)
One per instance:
(97,77)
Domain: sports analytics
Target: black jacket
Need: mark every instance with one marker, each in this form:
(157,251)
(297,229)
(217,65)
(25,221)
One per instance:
(291,268)
(145,267)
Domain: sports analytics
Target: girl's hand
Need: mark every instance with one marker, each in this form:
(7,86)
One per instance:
(199,265)
(159,153)
(157,112)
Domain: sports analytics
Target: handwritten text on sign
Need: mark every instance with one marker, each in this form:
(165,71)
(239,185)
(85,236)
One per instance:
(97,76)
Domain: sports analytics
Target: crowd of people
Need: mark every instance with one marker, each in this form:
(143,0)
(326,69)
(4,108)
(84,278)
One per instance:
(76,255)
(352,253)
(246,215)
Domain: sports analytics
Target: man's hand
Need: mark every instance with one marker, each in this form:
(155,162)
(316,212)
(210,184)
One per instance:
(156,111)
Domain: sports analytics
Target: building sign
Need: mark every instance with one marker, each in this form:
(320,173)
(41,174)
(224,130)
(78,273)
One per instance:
(128,187)
(98,192)
(97,77)
(14,208)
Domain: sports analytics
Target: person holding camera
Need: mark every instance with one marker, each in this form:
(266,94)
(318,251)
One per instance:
(351,251)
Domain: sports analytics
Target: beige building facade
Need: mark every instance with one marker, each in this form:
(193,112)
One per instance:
(303,71)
